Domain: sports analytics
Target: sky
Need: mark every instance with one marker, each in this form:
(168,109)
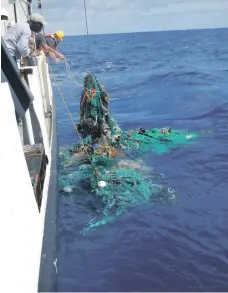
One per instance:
(121,16)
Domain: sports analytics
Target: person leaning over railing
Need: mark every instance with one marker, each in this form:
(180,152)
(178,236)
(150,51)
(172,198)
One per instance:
(48,45)
(18,36)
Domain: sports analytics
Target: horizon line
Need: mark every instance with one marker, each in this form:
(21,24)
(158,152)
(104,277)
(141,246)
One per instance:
(138,32)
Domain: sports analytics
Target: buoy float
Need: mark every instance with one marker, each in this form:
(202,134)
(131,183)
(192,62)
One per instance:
(67,189)
(101,183)
(188,136)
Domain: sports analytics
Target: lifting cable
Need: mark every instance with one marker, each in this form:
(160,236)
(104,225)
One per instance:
(88,40)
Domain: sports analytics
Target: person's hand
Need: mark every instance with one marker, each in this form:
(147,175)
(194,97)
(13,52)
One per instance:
(61,56)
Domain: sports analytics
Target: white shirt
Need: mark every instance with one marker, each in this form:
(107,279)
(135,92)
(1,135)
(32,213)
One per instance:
(17,39)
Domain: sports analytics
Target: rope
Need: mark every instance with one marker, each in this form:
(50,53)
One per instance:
(71,75)
(26,15)
(72,120)
(87,31)
(26,2)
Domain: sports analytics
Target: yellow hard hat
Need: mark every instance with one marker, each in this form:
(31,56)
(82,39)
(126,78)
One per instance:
(60,34)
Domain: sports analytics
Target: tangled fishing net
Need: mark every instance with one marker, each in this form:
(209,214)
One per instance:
(107,161)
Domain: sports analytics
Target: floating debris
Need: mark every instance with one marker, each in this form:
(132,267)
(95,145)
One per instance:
(102,159)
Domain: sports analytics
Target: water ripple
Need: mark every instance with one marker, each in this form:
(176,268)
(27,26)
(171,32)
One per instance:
(157,247)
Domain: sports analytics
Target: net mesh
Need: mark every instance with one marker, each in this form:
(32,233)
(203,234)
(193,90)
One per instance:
(103,157)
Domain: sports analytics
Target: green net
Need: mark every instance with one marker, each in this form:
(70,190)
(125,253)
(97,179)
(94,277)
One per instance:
(100,160)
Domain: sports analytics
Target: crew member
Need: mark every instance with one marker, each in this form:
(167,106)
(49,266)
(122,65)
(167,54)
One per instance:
(18,36)
(48,46)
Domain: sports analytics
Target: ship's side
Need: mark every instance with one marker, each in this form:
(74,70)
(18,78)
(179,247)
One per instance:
(28,169)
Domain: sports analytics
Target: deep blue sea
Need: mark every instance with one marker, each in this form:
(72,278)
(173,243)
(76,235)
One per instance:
(173,79)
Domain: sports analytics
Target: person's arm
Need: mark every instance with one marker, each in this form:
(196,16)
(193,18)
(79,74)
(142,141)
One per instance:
(51,51)
(52,55)
(55,52)
(52,44)
(23,43)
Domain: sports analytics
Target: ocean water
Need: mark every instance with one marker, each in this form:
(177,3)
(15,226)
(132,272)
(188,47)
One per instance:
(176,79)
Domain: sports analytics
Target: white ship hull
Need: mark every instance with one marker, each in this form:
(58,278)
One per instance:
(28,211)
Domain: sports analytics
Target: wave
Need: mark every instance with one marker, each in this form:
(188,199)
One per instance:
(186,77)
(139,47)
(221,110)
